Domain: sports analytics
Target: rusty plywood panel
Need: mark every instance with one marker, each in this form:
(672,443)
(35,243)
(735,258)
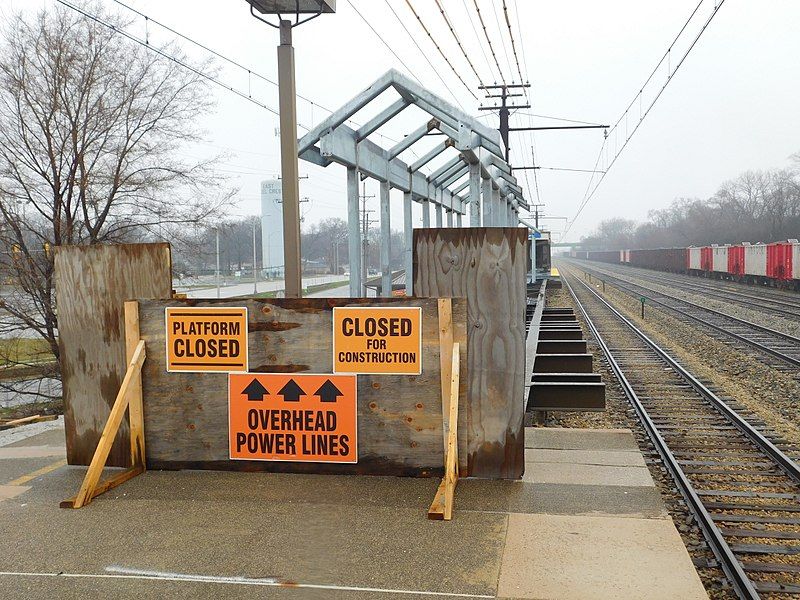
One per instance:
(399,416)
(92,283)
(485,265)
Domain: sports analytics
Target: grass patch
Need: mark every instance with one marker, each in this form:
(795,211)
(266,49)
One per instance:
(24,350)
(312,289)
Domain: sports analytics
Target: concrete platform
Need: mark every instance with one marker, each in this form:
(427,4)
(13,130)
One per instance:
(229,535)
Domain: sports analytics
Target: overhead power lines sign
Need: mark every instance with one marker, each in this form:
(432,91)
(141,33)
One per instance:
(206,339)
(305,418)
(379,340)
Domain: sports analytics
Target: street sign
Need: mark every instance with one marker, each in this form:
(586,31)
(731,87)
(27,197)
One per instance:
(206,339)
(381,340)
(291,417)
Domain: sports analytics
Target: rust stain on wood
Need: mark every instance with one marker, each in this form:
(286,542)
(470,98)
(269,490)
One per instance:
(271,326)
(399,417)
(92,283)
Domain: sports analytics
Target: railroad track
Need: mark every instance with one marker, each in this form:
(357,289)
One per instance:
(783,304)
(776,348)
(740,486)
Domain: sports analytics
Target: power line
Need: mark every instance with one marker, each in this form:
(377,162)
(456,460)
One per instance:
(486,34)
(475,31)
(556,118)
(522,42)
(434,69)
(458,41)
(502,40)
(185,37)
(178,61)
(385,43)
(513,45)
(447,60)
(590,191)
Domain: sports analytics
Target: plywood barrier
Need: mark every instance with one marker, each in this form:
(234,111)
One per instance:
(399,417)
(485,265)
(92,284)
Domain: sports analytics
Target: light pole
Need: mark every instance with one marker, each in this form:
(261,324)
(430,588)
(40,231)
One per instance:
(216,230)
(287,105)
(255,260)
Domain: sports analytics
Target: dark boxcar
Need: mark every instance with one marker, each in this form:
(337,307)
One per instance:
(607,256)
(660,259)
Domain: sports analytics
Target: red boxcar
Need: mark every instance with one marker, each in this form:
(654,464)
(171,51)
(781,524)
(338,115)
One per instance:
(736,260)
(706,258)
(779,261)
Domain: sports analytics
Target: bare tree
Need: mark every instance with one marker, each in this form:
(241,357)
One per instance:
(90,128)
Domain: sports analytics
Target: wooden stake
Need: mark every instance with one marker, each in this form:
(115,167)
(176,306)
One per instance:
(445,358)
(442,505)
(89,485)
(135,406)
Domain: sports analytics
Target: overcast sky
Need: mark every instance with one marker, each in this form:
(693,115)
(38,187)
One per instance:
(732,106)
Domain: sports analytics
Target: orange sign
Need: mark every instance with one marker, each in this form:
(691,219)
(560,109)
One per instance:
(307,418)
(377,340)
(206,339)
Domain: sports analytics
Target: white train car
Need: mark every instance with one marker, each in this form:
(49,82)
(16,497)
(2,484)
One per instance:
(719,258)
(795,259)
(693,258)
(755,260)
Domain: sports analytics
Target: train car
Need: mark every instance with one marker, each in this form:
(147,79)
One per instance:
(626,256)
(736,260)
(719,259)
(606,256)
(660,259)
(622,256)
(693,259)
(706,258)
(780,265)
(755,262)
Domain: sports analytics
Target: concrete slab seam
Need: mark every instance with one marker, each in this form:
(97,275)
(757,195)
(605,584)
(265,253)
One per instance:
(139,574)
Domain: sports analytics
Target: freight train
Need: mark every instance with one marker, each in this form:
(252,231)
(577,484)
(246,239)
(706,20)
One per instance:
(776,264)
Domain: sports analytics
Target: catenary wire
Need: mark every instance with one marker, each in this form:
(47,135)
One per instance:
(444,56)
(590,191)
(434,69)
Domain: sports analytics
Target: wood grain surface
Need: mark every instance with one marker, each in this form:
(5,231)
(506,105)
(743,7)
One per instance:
(399,416)
(92,284)
(485,265)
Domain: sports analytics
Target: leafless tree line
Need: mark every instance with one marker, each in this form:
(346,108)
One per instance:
(757,206)
(91,127)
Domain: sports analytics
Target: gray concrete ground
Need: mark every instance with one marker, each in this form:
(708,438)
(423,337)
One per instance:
(204,534)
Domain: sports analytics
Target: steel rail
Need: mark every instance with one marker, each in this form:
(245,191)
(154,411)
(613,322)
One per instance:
(776,353)
(729,563)
(719,291)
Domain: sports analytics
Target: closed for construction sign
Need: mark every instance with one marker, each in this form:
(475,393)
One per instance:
(206,339)
(379,340)
(309,418)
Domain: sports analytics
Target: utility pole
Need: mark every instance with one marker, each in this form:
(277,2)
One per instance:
(365,224)
(536,214)
(504,108)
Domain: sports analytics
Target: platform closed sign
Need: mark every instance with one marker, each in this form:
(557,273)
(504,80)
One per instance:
(206,339)
(377,340)
(306,418)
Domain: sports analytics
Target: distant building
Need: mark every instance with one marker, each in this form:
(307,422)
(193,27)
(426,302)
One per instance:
(272,226)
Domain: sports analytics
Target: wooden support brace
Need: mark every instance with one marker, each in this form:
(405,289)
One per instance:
(129,397)
(442,505)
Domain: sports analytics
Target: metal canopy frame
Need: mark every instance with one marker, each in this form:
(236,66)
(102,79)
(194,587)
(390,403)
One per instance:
(493,195)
